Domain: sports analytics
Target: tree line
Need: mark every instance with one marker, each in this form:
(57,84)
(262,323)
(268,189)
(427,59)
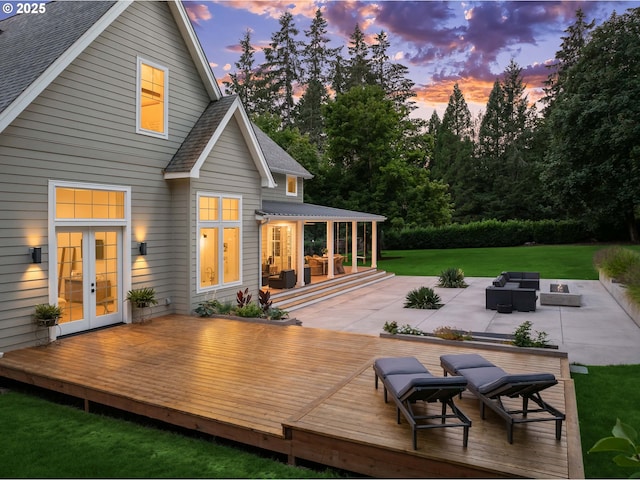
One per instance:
(346,116)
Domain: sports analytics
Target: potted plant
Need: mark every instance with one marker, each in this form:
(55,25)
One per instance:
(142,297)
(47,315)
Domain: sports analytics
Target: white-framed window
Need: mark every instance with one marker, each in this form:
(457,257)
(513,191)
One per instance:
(292,186)
(152,99)
(219,251)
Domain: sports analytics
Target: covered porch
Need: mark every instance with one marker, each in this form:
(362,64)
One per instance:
(289,260)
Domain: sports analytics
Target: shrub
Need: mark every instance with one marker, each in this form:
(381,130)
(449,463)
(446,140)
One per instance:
(452,278)
(243,298)
(250,310)
(423,297)
(523,338)
(208,308)
(624,443)
(276,313)
(394,329)
(451,333)
(488,233)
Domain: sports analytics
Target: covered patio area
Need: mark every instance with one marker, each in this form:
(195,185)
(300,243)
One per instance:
(284,249)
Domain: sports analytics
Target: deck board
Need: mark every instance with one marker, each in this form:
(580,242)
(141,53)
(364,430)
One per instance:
(308,393)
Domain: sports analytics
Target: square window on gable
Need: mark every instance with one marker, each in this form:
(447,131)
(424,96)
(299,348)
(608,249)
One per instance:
(152,97)
(292,185)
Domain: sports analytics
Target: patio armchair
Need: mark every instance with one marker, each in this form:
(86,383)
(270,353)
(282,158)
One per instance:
(286,279)
(491,385)
(337,262)
(315,265)
(408,381)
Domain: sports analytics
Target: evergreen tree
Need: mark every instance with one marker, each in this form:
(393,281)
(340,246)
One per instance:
(571,47)
(316,59)
(246,81)
(282,67)
(508,169)
(453,156)
(359,64)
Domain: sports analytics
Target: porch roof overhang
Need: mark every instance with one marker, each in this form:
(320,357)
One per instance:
(317,213)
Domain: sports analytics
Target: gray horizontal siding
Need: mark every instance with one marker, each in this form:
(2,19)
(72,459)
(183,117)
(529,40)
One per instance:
(82,128)
(279,193)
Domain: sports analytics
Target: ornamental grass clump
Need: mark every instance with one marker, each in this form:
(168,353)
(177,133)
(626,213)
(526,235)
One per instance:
(424,298)
(452,278)
(451,333)
(616,261)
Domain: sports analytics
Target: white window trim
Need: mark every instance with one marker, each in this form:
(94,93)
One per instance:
(220,225)
(295,179)
(53,223)
(139,129)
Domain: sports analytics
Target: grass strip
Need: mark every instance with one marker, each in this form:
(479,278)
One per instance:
(43,439)
(603,395)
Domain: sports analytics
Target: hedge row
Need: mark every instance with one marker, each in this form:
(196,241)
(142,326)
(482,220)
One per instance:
(488,233)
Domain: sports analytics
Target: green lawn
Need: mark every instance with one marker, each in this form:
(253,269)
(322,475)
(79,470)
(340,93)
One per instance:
(44,439)
(552,261)
(605,394)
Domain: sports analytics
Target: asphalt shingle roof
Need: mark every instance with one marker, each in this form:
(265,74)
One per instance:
(308,211)
(278,159)
(192,147)
(30,43)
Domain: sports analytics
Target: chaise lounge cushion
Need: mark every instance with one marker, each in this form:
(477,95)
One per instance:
(401,384)
(398,366)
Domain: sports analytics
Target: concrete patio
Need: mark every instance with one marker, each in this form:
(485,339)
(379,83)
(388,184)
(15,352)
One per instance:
(597,333)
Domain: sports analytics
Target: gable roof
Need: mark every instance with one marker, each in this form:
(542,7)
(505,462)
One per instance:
(35,49)
(278,159)
(195,149)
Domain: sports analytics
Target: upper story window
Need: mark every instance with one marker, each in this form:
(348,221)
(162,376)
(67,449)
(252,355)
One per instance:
(152,99)
(292,185)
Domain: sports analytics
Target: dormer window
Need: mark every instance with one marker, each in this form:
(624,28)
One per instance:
(292,185)
(152,99)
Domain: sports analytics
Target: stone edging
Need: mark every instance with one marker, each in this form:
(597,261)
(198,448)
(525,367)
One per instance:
(285,322)
(618,292)
(487,345)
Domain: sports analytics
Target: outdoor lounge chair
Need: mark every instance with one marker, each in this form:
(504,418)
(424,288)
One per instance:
(491,383)
(286,279)
(408,381)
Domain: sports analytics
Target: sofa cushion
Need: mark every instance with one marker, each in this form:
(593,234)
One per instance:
(500,281)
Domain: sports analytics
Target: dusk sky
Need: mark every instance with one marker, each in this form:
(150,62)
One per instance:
(441,42)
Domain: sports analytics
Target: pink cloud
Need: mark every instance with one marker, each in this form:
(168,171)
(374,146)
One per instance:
(198,12)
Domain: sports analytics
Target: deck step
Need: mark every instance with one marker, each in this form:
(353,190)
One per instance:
(306,296)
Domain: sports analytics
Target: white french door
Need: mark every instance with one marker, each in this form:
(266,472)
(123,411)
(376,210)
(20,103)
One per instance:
(89,277)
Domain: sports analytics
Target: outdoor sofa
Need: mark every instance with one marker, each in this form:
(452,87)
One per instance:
(491,384)
(513,291)
(407,381)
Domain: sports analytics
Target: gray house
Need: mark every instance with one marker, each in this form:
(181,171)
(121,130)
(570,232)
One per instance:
(123,166)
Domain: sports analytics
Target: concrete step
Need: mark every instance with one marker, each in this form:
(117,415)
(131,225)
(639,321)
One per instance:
(306,296)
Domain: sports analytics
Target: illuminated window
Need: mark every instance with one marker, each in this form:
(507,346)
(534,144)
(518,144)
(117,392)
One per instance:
(220,240)
(89,204)
(292,185)
(152,101)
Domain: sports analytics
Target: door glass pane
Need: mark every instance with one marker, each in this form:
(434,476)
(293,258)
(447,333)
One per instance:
(70,289)
(106,268)
(231,254)
(208,257)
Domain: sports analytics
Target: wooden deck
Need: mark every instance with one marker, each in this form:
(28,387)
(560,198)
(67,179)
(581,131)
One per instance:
(304,392)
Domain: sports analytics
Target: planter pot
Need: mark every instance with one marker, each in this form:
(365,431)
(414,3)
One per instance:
(48,322)
(618,292)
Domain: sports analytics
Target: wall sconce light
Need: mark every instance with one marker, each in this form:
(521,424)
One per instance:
(36,254)
(143,248)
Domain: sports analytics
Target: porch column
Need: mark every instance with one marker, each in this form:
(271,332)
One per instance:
(354,247)
(374,244)
(329,249)
(300,253)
